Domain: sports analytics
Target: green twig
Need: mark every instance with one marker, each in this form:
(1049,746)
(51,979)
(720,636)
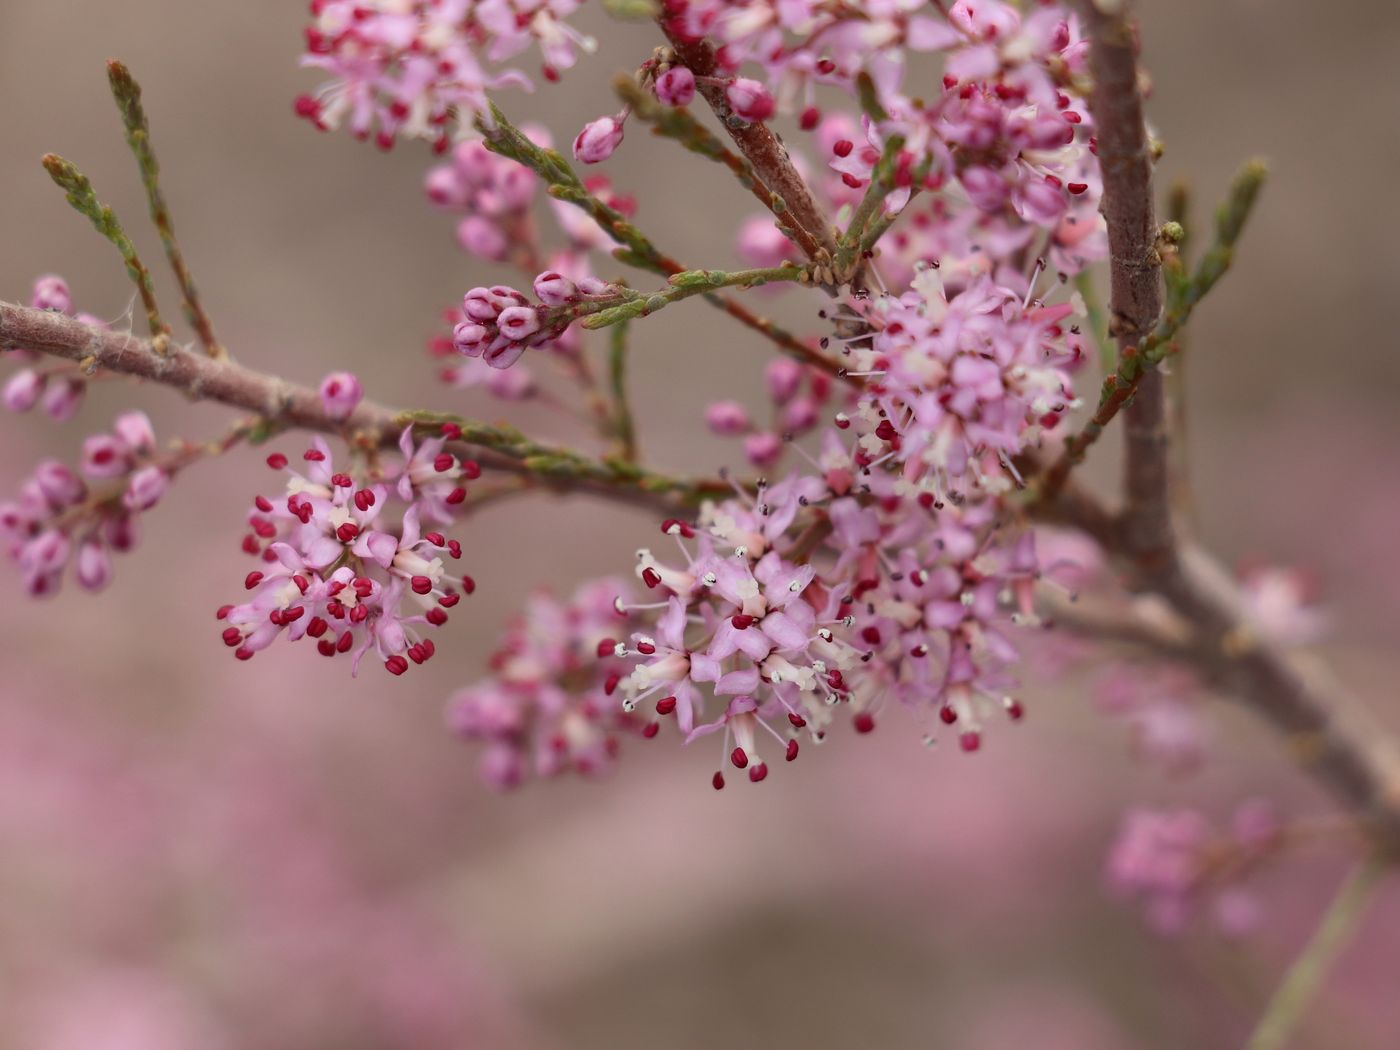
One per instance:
(1094,321)
(138,136)
(623,426)
(1305,977)
(684,285)
(84,201)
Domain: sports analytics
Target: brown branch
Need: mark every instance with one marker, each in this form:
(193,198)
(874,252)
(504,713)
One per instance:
(1135,274)
(761,148)
(288,405)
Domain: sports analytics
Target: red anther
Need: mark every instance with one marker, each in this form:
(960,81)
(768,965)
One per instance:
(1071,117)
(843,147)
(364,586)
(456,496)
(611,683)
(791,750)
(851,181)
(1077,187)
(415,653)
(651,729)
(471,469)
(444,462)
(646,648)
(437,539)
(886,431)
(421,585)
(468,585)
(651,577)
(606,647)
(277,461)
(232,636)
(313,455)
(454,548)
(263,504)
(451,431)
(428,648)
(675,526)
(739,757)
(758,772)
(864,722)
(447,601)
(296,612)
(947,714)
(317,627)
(970,741)
(325,647)
(303,584)
(264,528)
(223,612)
(344,642)
(870,635)
(741,622)
(436,617)
(275,618)
(1015,711)
(347,532)
(342,481)
(250,545)
(665,705)
(359,614)
(717,781)
(243,654)
(306,106)
(797,721)
(396,665)
(811,117)
(252,580)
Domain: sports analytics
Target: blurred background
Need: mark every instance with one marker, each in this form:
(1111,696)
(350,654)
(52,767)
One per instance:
(195,853)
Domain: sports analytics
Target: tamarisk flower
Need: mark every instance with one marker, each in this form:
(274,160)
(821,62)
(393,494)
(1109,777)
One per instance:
(58,518)
(333,572)
(549,706)
(419,68)
(794,412)
(59,391)
(501,323)
(492,193)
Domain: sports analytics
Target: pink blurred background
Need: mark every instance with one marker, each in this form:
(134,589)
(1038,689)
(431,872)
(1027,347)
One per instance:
(198,853)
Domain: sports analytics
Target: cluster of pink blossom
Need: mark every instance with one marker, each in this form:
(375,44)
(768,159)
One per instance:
(550,705)
(1178,864)
(421,68)
(338,569)
(58,517)
(501,323)
(59,391)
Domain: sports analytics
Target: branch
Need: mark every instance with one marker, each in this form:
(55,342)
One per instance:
(287,405)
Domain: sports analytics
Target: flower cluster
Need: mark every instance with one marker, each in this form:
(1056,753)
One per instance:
(62,516)
(421,68)
(550,705)
(58,391)
(501,323)
(795,411)
(338,568)
(1178,864)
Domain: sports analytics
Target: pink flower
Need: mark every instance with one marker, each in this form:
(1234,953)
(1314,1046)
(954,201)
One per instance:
(676,86)
(750,100)
(340,394)
(727,417)
(598,139)
(22,391)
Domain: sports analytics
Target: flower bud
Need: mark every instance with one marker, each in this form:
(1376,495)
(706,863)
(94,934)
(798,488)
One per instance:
(597,140)
(554,289)
(763,448)
(727,417)
(482,237)
(750,100)
(22,392)
(340,393)
(146,488)
(444,187)
(51,293)
(135,429)
(94,565)
(470,339)
(783,377)
(59,485)
(62,398)
(676,86)
(518,323)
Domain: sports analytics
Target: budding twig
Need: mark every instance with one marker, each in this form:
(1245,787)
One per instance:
(84,201)
(138,136)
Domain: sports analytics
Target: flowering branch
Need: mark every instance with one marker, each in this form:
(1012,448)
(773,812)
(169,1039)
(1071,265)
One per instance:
(286,405)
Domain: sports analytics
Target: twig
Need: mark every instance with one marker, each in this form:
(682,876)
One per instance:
(1308,972)
(138,136)
(623,426)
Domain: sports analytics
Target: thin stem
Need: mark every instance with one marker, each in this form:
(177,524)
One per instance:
(138,136)
(1306,976)
(623,425)
(681,286)
(84,201)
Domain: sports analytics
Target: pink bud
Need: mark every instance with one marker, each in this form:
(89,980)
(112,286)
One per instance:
(62,398)
(444,187)
(51,293)
(763,448)
(105,456)
(676,86)
(800,415)
(503,767)
(146,488)
(597,140)
(750,100)
(554,289)
(135,429)
(479,305)
(59,485)
(94,565)
(482,237)
(119,532)
(22,392)
(518,323)
(761,243)
(783,377)
(595,288)
(340,393)
(727,417)
(470,339)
